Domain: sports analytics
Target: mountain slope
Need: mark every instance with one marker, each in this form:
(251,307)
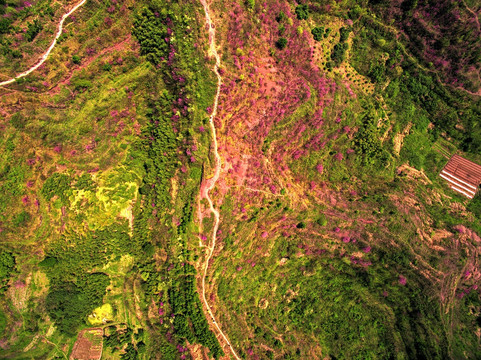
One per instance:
(265,187)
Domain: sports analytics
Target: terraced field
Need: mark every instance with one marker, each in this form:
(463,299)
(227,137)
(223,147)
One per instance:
(238,180)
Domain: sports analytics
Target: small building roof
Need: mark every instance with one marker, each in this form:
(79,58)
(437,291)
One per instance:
(464,176)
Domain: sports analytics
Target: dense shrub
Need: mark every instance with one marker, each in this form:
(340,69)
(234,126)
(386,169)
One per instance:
(281,43)
(161,148)
(81,84)
(281,16)
(475,205)
(18,121)
(318,33)
(118,338)
(377,73)
(57,185)
(301,225)
(130,353)
(151,32)
(344,34)
(302,12)
(4,25)
(338,54)
(445,37)
(49,261)
(68,303)
(250,4)
(367,140)
(322,220)
(85,182)
(7,264)
(21,218)
(32,30)
(190,321)
(69,262)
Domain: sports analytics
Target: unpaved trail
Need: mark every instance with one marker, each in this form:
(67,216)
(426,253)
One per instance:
(211,182)
(47,53)
(475,15)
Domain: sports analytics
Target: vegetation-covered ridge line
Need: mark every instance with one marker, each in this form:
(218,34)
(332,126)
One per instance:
(49,50)
(212,181)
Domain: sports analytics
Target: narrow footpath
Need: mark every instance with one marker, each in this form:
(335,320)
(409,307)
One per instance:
(49,50)
(221,337)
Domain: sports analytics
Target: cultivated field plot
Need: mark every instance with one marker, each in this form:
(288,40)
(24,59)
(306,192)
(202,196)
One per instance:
(88,345)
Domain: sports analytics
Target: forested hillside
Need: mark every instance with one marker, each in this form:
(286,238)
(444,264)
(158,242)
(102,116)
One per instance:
(238,179)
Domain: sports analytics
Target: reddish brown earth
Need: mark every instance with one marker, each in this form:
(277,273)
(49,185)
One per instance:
(84,348)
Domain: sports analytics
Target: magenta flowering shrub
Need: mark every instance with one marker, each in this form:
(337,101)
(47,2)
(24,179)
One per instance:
(274,85)
(108,21)
(339,156)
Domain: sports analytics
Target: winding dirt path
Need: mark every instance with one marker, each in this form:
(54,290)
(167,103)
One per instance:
(49,50)
(475,15)
(212,181)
